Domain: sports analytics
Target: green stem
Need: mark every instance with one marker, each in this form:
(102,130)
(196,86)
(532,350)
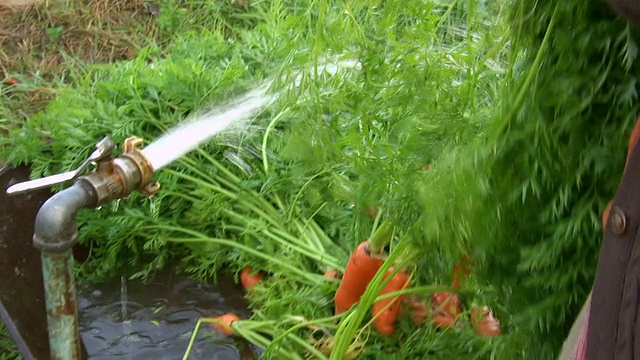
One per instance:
(381,238)
(230,195)
(192,340)
(325,260)
(305,324)
(272,123)
(533,72)
(312,279)
(255,199)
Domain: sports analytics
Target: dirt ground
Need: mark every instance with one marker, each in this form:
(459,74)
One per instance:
(40,36)
(41,39)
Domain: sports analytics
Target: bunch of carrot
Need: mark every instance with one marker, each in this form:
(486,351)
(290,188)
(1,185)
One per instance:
(364,263)
(362,266)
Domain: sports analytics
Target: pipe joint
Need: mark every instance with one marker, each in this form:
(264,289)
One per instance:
(55,225)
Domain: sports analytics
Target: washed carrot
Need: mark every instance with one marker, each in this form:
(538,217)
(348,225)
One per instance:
(447,301)
(461,271)
(418,309)
(446,308)
(249,279)
(484,322)
(443,319)
(363,264)
(332,274)
(225,321)
(385,312)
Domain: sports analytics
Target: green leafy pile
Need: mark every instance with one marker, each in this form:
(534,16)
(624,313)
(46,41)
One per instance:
(526,201)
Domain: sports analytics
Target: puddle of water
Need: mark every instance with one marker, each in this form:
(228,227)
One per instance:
(126,319)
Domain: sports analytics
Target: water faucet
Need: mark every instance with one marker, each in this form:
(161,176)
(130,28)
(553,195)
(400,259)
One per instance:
(113,178)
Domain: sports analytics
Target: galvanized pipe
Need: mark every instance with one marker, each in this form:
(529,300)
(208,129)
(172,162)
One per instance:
(55,235)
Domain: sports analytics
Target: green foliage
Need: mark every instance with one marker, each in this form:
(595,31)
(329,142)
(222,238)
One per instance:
(8,350)
(529,195)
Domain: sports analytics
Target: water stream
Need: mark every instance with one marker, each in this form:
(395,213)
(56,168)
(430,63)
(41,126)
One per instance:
(232,116)
(188,136)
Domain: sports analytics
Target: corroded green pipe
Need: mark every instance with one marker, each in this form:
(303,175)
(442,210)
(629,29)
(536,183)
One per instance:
(62,307)
(55,235)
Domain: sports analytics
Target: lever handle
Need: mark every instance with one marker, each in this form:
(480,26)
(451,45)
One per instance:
(104,148)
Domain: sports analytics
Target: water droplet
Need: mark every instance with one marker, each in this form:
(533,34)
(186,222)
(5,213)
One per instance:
(115,205)
(235,159)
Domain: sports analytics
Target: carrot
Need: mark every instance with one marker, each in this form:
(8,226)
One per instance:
(418,309)
(484,322)
(461,271)
(446,308)
(447,301)
(363,264)
(248,279)
(225,321)
(443,319)
(332,274)
(385,312)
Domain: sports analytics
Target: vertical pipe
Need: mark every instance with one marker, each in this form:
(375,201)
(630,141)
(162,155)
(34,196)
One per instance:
(54,235)
(62,309)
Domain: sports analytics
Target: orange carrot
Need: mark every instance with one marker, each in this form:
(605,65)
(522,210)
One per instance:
(224,324)
(485,322)
(446,308)
(418,309)
(461,271)
(11,81)
(248,279)
(363,264)
(332,274)
(447,301)
(385,312)
(443,319)
(360,269)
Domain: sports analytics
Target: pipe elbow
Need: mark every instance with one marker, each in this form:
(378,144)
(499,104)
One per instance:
(55,226)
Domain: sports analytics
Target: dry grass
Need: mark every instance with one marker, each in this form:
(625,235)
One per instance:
(41,38)
(40,43)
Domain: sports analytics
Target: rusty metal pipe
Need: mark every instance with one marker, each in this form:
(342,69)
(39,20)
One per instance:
(55,235)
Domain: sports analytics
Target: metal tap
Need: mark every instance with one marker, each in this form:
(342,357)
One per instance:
(113,178)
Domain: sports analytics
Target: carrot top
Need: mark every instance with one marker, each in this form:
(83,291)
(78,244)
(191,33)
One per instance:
(380,238)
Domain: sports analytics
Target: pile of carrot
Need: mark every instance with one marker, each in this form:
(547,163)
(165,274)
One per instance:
(364,263)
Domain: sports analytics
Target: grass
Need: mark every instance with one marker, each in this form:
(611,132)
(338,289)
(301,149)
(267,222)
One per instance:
(466,86)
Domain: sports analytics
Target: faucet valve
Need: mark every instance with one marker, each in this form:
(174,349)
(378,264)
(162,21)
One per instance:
(113,178)
(104,149)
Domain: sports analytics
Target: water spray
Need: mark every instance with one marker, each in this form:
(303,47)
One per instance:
(56,232)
